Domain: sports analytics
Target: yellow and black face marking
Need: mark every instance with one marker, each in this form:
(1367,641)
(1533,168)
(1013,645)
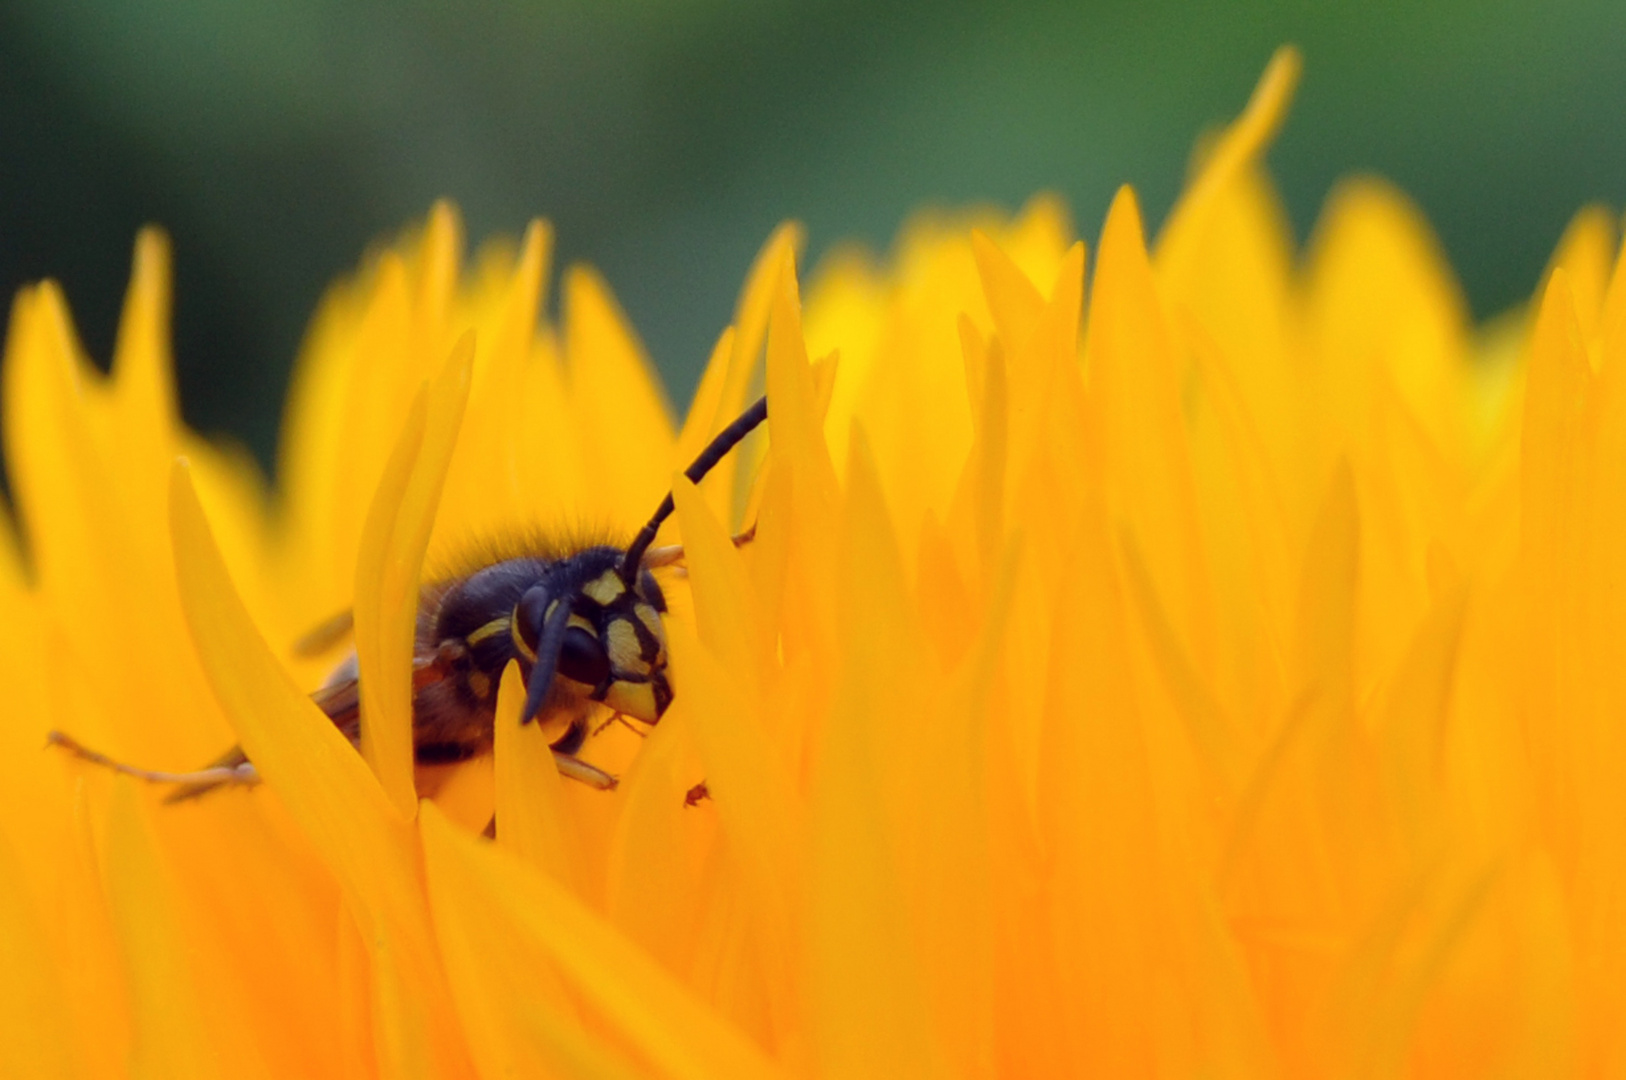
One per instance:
(578,612)
(584,628)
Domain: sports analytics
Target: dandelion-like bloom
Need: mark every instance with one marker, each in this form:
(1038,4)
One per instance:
(1214,676)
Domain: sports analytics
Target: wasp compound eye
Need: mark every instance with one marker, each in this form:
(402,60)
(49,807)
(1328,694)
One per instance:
(582,658)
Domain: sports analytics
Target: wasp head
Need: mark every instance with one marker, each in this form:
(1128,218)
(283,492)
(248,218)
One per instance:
(585,625)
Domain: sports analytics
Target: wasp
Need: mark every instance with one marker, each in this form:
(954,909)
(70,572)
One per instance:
(585,628)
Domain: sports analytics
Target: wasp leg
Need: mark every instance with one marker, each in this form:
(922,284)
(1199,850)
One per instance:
(624,721)
(577,769)
(564,756)
(571,741)
(192,782)
(445,753)
(655,558)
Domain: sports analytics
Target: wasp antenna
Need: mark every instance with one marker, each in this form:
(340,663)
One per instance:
(555,622)
(726,440)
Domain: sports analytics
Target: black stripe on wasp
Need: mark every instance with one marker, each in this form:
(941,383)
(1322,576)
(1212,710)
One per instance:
(585,628)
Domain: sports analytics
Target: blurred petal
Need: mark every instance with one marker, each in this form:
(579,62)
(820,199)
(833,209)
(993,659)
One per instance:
(525,921)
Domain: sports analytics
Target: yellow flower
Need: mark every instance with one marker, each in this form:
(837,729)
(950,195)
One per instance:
(1213,673)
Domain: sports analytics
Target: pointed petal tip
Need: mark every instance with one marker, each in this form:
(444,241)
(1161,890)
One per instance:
(789,284)
(789,235)
(152,249)
(395,536)
(539,230)
(1558,286)
(1269,103)
(1123,225)
(1282,73)
(180,478)
(1125,206)
(444,215)
(1556,315)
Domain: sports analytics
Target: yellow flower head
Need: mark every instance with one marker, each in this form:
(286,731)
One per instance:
(1209,672)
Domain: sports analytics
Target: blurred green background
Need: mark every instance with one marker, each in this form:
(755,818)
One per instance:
(275,138)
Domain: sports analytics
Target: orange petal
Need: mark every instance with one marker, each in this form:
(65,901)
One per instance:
(617,391)
(1242,142)
(331,794)
(1135,382)
(531,813)
(37,1035)
(390,561)
(1012,298)
(516,921)
(181,1027)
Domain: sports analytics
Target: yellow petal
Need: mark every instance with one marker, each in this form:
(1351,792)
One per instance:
(484,491)
(1241,143)
(708,401)
(334,798)
(1382,299)
(1134,378)
(516,921)
(1586,252)
(178,1027)
(387,574)
(1326,615)
(531,811)
(752,314)
(761,821)
(143,378)
(797,449)
(725,614)
(1560,383)
(36,1034)
(1011,297)
(612,379)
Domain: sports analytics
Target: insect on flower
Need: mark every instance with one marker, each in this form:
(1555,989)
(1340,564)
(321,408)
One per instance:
(585,628)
